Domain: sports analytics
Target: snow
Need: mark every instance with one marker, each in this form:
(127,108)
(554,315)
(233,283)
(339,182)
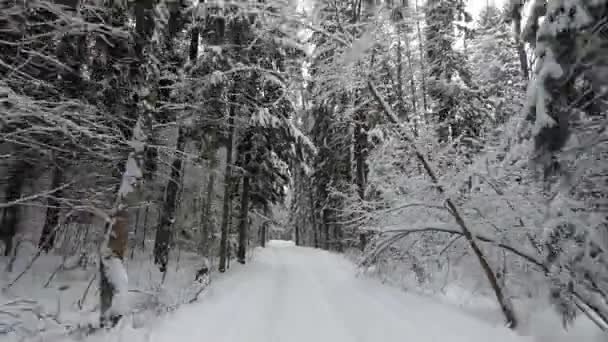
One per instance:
(117,276)
(39,310)
(130,177)
(298,294)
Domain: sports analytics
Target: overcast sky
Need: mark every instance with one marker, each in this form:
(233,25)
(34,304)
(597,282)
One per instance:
(476,5)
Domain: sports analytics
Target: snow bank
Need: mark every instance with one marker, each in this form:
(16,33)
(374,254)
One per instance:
(31,311)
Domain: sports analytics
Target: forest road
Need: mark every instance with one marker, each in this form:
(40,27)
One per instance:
(296,294)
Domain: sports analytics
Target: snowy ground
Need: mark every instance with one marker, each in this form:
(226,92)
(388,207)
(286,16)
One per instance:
(43,304)
(293,294)
(284,293)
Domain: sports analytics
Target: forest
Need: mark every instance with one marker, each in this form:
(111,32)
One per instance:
(441,146)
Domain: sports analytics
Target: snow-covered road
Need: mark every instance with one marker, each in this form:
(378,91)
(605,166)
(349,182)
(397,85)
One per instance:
(293,294)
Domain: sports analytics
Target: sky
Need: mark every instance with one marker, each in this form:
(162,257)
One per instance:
(475,6)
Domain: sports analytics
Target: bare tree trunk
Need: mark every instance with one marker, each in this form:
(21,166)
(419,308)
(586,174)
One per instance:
(299,226)
(325,230)
(400,95)
(143,237)
(47,238)
(162,243)
(338,237)
(163,233)
(521,51)
(362,241)
(243,224)
(422,67)
(227,200)
(263,234)
(113,287)
(360,154)
(10,215)
(408,54)
(194,36)
(313,218)
(206,217)
(207,211)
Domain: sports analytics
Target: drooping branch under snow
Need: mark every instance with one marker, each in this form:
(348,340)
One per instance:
(454,211)
(596,315)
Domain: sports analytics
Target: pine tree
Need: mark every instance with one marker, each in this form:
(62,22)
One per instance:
(566,106)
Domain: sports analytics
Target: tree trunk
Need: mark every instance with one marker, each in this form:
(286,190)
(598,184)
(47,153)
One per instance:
(400,95)
(360,154)
(408,54)
(362,241)
(163,233)
(521,51)
(313,219)
(10,216)
(297,233)
(338,237)
(422,66)
(143,235)
(113,288)
(206,219)
(325,230)
(47,238)
(263,234)
(227,200)
(111,270)
(243,224)
(194,35)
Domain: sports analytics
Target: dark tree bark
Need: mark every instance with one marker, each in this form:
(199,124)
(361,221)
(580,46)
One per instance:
(227,197)
(116,231)
(206,217)
(163,233)
(297,234)
(338,237)
(143,237)
(362,241)
(521,51)
(263,234)
(244,221)
(47,238)
(313,218)
(194,36)
(361,154)
(10,215)
(325,230)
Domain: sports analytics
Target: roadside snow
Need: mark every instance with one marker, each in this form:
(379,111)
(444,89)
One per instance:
(299,294)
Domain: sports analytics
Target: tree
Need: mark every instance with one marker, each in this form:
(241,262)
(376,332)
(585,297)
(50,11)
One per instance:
(448,76)
(565,108)
(170,202)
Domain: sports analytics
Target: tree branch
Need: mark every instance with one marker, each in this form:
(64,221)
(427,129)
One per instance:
(505,305)
(35,196)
